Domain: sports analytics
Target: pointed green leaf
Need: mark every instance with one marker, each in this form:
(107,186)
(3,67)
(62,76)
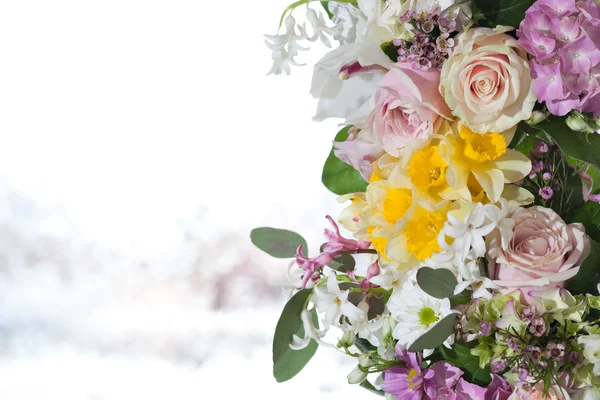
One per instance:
(460,355)
(588,277)
(437,335)
(589,215)
(339,177)
(279,243)
(287,363)
(503,12)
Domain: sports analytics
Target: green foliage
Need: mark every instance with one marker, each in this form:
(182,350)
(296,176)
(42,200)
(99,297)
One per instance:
(279,243)
(437,335)
(460,355)
(588,277)
(589,215)
(287,363)
(440,283)
(578,145)
(390,50)
(503,12)
(339,177)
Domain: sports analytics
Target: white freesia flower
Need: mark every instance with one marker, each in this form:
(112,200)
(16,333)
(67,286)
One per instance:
(469,274)
(416,312)
(591,350)
(334,303)
(285,47)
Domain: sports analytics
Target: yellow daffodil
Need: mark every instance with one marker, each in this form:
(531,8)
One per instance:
(479,162)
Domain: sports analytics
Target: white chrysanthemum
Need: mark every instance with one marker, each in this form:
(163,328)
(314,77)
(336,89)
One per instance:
(416,312)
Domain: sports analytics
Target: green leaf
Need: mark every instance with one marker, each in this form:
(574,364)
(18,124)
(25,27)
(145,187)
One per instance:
(367,385)
(339,177)
(279,243)
(588,277)
(578,145)
(287,362)
(439,283)
(503,12)
(589,215)
(437,335)
(460,355)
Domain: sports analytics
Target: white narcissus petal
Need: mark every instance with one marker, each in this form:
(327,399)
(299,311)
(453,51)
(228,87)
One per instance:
(514,164)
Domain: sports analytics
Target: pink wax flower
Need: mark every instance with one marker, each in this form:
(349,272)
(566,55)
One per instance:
(406,106)
(563,36)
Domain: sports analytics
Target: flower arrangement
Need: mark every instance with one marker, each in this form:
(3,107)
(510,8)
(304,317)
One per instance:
(470,163)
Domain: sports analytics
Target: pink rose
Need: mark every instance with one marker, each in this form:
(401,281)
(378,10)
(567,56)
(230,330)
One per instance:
(407,105)
(534,247)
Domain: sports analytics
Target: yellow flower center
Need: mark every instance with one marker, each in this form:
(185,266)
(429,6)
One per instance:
(412,375)
(481,148)
(427,170)
(422,232)
(396,204)
(427,316)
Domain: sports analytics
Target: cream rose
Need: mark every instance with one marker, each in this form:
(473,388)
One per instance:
(486,81)
(534,247)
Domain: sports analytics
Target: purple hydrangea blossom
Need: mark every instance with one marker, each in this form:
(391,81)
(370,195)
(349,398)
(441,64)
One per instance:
(563,36)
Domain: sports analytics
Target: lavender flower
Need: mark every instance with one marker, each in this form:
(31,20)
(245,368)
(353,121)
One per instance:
(575,358)
(546,192)
(486,328)
(538,327)
(555,352)
(560,35)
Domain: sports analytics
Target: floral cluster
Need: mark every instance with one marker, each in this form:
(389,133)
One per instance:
(564,39)
(431,42)
(466,262)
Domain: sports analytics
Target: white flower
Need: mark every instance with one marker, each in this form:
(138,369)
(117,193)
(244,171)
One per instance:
(468,231)
(391,278)
(469,274)
(285,47)
(345,16)
(320,28)
(310,332)
(335,304)
(591,350)
(416,312)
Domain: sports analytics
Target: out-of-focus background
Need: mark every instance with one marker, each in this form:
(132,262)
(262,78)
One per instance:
(140,142)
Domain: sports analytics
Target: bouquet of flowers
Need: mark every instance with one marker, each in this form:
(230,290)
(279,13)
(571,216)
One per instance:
(469,160)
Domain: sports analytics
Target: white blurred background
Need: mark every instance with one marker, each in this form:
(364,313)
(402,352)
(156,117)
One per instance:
(140,142)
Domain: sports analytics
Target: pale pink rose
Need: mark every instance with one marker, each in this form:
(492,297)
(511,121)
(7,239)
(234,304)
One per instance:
(359,151)
(487,81)
(407,105)
(534,248)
